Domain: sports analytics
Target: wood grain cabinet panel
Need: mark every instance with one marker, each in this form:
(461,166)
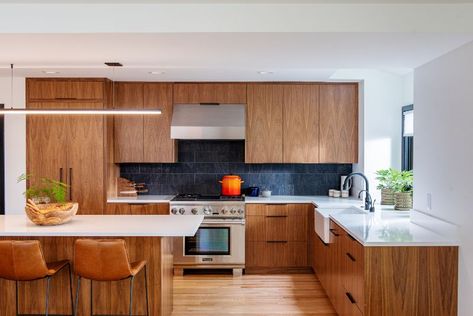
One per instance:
(264,124)
(117,209)
(64,89)
(129,130)
(223,93)
(70,149)
(150,209)
(387,281)
(338,123)
(46,140)
(157,142)
(301,123)
(86,159)
(276,236)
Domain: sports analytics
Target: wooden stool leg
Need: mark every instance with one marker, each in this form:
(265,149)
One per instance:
(131,295)
(146,290)
(48,281)
(77,296)
(70,289)
(91,298)
(16,297)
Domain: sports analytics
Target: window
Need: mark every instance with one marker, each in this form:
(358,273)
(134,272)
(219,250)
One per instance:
(407,137)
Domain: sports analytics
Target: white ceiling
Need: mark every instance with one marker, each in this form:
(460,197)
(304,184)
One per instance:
(221,56)
(244,1)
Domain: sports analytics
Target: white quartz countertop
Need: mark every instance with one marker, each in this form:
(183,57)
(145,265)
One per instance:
(396,228)
(319,201)
(105,225)
(142,199)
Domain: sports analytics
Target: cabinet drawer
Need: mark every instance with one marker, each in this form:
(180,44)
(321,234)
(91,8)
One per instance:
(40,89)
(276,228)
(255,228)
(275,210)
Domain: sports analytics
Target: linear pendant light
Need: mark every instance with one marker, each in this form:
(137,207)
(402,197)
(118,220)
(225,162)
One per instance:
(16,111)
(12,111)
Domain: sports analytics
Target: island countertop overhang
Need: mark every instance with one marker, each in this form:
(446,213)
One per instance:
(104,226)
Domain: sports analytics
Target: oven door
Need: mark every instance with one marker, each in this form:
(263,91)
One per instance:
(217,242)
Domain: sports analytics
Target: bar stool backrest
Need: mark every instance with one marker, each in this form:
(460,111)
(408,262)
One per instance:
(101,259)
(22,260)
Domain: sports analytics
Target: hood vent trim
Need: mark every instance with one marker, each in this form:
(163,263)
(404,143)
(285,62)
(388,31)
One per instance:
(208,121)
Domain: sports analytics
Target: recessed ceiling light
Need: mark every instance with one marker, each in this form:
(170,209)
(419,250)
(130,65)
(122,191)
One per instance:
(156,72)
(265,72)
(50,72)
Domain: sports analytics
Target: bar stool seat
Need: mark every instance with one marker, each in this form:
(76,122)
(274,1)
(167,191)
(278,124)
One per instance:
(24,261)
(106,260)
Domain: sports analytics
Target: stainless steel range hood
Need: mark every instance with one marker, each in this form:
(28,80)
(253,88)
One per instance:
(208,121)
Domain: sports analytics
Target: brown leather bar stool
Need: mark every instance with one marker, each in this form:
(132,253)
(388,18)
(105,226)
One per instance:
(106,260)
(24,261)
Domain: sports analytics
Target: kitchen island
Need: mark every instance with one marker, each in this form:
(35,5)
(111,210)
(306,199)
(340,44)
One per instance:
(148,237)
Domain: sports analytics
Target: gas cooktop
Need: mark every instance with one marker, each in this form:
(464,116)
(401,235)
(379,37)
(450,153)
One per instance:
(202,197)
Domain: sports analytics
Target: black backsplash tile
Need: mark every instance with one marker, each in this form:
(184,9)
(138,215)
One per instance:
(203,163)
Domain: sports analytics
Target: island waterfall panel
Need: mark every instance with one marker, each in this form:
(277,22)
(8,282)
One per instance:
(110,298)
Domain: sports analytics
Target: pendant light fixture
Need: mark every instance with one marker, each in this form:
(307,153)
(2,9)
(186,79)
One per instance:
(14,111)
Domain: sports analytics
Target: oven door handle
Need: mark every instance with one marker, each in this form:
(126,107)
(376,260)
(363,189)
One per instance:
(222,222)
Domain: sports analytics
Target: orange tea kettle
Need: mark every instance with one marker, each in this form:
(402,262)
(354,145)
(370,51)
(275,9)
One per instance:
(231,185)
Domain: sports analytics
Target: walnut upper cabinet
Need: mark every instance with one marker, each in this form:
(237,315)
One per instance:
(144,138)
(301,123)
(69,148)
(264,124)
(64,89)
(224,93)
(338,123)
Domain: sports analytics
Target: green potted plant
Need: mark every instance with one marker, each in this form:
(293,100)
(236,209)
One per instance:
(385,184)
(403,186)
(46,191)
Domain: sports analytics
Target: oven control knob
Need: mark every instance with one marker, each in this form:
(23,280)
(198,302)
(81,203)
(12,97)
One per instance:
(232,211)
(224,211)
(174,210)
(182,211)
(194,211)
(207,210)
(240,211)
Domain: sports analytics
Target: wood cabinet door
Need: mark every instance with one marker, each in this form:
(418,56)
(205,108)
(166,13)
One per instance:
(264,124)
(85,157)
(338,123)
(46,144)
(301,123)
(224,93)
(157,142)
(41,89)
(129,130)
(149,209)
(117,209)
(87,89)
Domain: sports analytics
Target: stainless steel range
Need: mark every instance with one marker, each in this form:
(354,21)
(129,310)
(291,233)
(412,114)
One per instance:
(219,241)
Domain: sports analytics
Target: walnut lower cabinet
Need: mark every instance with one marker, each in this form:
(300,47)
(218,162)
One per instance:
(137,209)
(276,237)
(388,281)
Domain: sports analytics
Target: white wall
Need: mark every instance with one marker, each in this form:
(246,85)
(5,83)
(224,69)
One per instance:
(380,140)
(15,145)
(443,151)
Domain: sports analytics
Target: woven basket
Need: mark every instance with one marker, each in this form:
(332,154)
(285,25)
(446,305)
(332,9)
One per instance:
(387,197)
(403,201)
(51,214)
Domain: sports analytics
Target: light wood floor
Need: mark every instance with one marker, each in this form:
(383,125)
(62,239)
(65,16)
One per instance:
(292,294)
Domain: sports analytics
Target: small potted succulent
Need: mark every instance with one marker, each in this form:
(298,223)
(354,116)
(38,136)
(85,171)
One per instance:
(403,186)
(385,184)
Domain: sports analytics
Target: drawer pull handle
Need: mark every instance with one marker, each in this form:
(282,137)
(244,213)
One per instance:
(281,204)
(349,255)
(276,215)
(276,241)
(334,232)
(350,297)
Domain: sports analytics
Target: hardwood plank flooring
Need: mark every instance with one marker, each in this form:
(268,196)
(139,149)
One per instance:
(263,295)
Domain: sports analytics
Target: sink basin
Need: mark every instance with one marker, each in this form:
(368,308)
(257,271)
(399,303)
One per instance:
(322,220)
